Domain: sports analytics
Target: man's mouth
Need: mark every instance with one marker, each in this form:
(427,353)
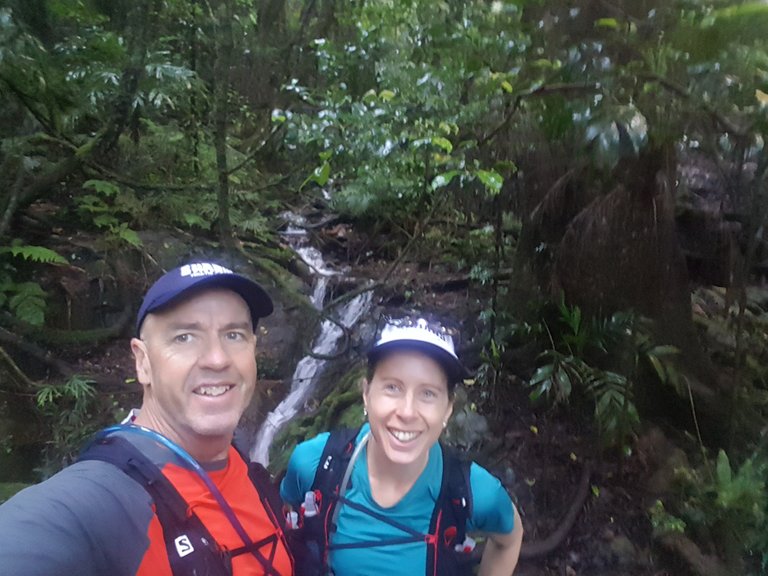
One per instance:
(213,391)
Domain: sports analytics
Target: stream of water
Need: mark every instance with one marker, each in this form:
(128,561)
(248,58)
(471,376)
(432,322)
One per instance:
(326,343)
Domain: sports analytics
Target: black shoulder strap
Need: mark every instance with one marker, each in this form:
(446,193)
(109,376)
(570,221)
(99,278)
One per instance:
(191,548)
(334,459)
(265,486)
(459,490)
(453,509)
(316,530)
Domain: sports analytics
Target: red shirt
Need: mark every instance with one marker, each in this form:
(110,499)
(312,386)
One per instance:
(234,484)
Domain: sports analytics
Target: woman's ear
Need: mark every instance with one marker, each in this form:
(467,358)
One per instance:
(364,387)
(449,411)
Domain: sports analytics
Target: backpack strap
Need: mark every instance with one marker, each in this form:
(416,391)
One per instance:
(267,489)
(312,560)
(190,547)
(453,509)
(448,526)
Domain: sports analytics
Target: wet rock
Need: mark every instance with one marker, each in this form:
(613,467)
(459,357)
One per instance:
(662,458)
(623,551)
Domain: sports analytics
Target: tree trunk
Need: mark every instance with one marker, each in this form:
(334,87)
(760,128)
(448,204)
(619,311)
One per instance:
(224,48)
(138,38)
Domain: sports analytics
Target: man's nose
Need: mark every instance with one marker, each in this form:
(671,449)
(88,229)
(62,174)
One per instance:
(214,353)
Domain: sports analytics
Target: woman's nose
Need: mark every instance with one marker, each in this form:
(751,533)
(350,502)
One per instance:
(407,406)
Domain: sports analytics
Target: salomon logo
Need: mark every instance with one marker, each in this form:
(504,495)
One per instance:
(183,545)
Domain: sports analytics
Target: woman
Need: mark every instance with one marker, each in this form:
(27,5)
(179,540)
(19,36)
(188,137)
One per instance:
(392,516)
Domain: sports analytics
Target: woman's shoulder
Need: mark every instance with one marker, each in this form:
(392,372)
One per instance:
(301,468)
(312,445)
(492,508)
(481,477)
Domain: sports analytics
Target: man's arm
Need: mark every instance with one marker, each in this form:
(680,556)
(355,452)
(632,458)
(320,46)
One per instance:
(502,551)
(89,520)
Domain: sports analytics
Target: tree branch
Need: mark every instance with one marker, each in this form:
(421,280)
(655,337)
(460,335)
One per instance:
(728,124)
(544,90)
(16,374)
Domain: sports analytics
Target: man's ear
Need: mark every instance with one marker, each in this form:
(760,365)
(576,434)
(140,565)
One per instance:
(141,359)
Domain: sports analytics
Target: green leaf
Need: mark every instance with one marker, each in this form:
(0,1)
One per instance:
(442,180)
(658,367)
(319,176)
(34,254)
(128,235)
(543,373)
(448,128)
(369,97)
(195,220)
(564,384)
(443,143)
(278,116)
(492,180)
(665,350)
(386,95)
(102,187)
(607,23)
(28,303)
(45,396)
(105,221)
(724,473)
(544,63)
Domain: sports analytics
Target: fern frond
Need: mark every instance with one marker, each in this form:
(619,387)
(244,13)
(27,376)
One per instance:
(34,253)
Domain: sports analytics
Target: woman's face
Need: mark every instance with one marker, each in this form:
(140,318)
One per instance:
(408,404)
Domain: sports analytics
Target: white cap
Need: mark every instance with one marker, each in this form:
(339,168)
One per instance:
(435,342)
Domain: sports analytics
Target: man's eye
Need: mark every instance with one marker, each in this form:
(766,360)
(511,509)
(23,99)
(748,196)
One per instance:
(236,336)
(182,338)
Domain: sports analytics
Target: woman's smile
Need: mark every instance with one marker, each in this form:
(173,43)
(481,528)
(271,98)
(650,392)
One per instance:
(403,436)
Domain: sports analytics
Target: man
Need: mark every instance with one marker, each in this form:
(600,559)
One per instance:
(166,494)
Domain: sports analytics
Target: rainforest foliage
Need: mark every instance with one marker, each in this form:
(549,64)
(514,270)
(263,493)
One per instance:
(590,167)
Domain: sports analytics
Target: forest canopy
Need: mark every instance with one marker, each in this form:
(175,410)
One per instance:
(594,171)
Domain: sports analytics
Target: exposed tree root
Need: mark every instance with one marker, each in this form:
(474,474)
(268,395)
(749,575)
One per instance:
(556,538)
(34,351)
(686,550)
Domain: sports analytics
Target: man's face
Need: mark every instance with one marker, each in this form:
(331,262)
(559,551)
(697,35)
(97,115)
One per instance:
(197,363)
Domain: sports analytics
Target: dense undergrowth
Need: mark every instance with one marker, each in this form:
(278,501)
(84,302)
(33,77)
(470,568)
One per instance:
(576,167)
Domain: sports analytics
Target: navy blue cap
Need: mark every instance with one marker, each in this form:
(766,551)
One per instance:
(176,283)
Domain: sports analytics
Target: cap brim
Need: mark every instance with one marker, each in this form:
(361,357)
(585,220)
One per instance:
(255,297)
(454,369)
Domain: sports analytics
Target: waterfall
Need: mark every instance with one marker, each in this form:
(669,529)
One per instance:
(327,342)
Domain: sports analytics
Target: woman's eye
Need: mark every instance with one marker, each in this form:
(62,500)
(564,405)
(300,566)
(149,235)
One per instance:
(429,394)
(390,387)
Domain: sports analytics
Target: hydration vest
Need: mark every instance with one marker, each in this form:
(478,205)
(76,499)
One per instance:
(191,548)
(448,551)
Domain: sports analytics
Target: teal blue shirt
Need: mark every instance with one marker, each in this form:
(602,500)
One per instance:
(492,511)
